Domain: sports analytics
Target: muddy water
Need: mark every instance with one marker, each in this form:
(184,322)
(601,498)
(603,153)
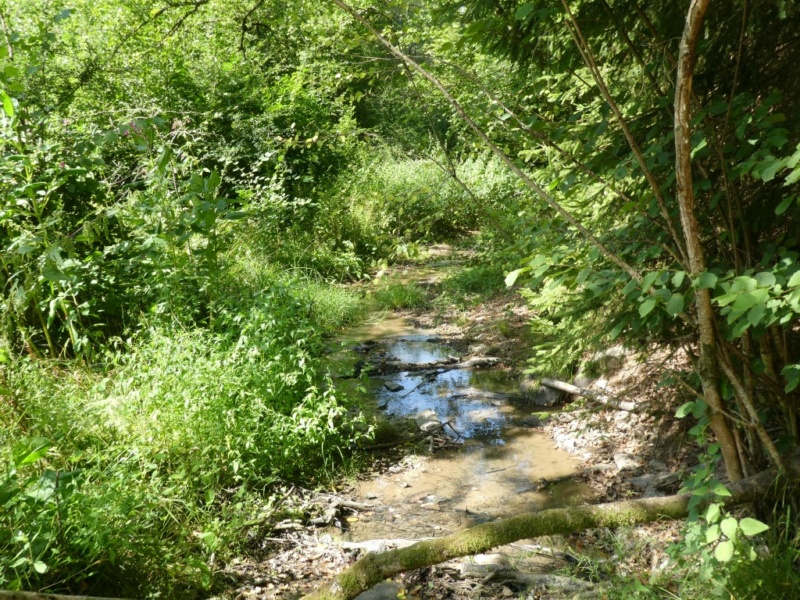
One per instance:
(501,458)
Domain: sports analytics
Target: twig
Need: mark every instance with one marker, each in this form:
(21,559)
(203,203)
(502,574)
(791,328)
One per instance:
(595,395)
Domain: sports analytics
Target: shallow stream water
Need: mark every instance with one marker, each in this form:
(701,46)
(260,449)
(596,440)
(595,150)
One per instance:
(501,456)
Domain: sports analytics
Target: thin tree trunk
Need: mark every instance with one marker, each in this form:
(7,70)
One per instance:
(707,363)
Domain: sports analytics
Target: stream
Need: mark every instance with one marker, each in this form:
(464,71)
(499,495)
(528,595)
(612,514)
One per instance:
(497,460)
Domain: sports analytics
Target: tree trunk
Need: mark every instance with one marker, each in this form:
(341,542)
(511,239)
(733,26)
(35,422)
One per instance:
(374,568)
(707,364)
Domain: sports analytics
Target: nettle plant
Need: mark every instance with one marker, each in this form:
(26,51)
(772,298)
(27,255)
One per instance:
(714,539)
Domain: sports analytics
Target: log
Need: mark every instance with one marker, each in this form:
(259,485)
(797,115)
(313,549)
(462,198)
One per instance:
(595,395)
(6,595)
(374,568)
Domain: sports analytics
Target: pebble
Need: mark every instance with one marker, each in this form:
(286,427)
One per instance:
(626,462)
(388,590)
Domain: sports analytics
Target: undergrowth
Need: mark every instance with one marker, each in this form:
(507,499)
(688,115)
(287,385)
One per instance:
(129,475)
(400,295)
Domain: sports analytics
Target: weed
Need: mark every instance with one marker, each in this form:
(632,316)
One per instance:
(482,280)
(400,295)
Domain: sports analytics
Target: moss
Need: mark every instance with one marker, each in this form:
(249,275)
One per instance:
(372,569)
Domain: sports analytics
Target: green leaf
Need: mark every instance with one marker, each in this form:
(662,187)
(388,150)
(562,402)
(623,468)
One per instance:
(677,279)
(724,552)
(713,512)
(750,299)
(8,105)
(38,447)
(39,567)
(765,279)
(787,202)
(752,526)
(743,283)
(163,160)
(794,280)
(712,534)
(617,330)
(647,307)
(523,11)
(769,172)
(675,304)
(583,275)
(721,490)
(729,527)
(648,280)
(511,278)
(756,314)
(705,280)
(684,410)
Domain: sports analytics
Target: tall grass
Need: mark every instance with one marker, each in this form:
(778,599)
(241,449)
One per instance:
(127,476)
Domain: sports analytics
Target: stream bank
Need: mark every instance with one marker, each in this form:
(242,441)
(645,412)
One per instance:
(497,455)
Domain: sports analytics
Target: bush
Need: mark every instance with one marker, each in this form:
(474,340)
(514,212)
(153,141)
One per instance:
(480,280)
(142,468)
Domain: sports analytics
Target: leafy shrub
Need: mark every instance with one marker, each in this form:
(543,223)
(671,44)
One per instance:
(161,454)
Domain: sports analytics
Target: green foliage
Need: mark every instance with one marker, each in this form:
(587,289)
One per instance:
(480,280)
(172,443)
(179,184)
(395,295)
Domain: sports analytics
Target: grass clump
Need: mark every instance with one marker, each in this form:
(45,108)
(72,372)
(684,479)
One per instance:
(481,280)
(393,296)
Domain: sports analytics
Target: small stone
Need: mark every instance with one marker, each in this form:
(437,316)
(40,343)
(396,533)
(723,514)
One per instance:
(427,421)
(665,479)
(383,591)
(393,386)
(626,462)
(538,394)
(643,481)
(372,496)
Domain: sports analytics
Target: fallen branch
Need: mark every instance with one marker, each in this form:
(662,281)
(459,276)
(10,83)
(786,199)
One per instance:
(390,367)
(594,395)
(374,568)
(400,442)
(4,595)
